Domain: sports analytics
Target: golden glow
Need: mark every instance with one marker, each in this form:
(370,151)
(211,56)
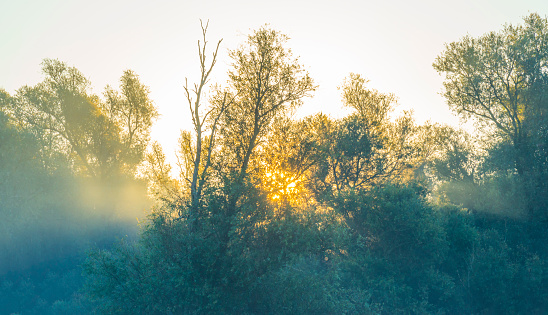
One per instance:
(282,186)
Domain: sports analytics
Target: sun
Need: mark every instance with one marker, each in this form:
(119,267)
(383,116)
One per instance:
(282,185)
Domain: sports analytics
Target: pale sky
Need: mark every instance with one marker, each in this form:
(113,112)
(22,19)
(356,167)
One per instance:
(393,43)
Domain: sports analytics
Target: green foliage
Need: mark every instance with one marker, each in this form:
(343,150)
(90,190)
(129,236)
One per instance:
(457,159)
(399,242)
(309,286)
(397,224)
(181,267)
(503,279)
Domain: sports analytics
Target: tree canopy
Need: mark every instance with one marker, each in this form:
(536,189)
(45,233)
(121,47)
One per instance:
(100,138)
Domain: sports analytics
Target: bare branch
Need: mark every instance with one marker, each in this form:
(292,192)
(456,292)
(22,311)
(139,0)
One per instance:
(198,176)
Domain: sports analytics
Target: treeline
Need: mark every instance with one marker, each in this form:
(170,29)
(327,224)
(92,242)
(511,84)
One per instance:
(368,214)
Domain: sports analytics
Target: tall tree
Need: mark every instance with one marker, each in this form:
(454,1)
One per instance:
(265,82)
(367,147)
(501,79)
(99,139)
(60,111)
(198,162)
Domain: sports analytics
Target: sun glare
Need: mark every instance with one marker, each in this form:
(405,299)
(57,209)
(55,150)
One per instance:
(281,185)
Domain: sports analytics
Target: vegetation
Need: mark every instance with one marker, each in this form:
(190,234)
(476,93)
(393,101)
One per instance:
(366,214)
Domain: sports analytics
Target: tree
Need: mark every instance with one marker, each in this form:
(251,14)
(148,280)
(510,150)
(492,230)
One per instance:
(169,191)
(497,78)
(286,161)
(367,148)
(98,139)
(133,112)
(456,159)
(501,79)
(197,162)
(4,99)
(59,111)
(265,82)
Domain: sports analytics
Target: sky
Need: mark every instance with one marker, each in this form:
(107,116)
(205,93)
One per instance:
(393,43)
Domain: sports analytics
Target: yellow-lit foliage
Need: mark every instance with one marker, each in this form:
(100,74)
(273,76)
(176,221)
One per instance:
(284,161)
(281,185)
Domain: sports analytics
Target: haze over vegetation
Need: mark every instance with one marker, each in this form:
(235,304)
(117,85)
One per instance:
(267,213)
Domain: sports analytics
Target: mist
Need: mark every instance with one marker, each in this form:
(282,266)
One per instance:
(67,218)
(497,198)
